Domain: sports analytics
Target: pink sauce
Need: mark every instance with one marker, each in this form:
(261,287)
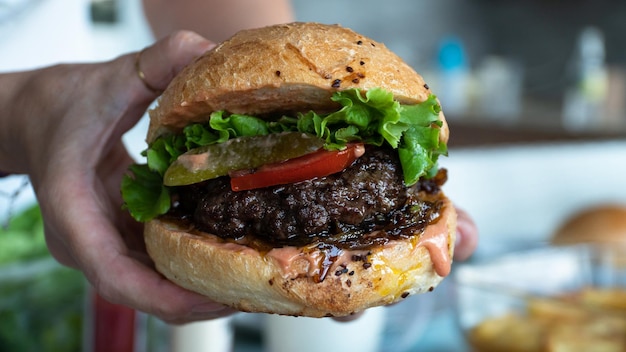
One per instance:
(193,162)
(359,150)
(435,239)
(318,263)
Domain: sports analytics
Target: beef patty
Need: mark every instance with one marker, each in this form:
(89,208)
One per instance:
(365,204)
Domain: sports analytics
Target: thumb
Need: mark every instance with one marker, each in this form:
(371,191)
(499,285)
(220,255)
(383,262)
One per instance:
(148,72)
(159,63)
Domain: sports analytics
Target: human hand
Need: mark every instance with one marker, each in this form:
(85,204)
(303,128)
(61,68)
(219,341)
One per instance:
(68,121)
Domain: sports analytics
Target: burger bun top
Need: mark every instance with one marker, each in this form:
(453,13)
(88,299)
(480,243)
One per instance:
(285,68)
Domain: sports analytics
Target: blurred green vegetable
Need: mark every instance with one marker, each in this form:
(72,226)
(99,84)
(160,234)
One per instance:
(22,238)
(41,302)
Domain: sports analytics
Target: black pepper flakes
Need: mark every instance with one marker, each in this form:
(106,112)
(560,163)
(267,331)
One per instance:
(373,44)
(362,62)
(431,289)
(359,42)
(349,69)
(426,86)
(351,273)
(356,80)
(405,295)
(367,265)
(348,283)
(341,270)
(271,282)
(277,73)
(336,83)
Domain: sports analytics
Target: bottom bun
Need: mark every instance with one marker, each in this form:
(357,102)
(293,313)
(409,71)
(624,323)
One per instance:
(303,281)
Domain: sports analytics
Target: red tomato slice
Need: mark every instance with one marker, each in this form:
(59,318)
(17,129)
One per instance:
(317,164)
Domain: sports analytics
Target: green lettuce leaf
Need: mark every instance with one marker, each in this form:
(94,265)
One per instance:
(373,117)
(420,147)
(144,195)
(237,125)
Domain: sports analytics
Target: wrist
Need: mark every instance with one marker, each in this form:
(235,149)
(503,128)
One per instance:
(12,159)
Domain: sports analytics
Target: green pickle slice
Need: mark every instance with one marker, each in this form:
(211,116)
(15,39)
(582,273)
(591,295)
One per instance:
(215,160)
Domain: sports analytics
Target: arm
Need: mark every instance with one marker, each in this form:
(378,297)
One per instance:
(215,19)
(10,83)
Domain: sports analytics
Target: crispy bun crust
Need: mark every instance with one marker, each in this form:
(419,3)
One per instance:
(604,224)
(252,281)
(283,68)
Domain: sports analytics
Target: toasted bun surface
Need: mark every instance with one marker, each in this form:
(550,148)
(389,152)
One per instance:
(598,224)
(284,282)
(283,68)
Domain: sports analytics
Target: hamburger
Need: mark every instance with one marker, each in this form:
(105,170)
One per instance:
(293,170)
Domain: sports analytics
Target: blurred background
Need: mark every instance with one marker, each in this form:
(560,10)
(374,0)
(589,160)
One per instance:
(534,92)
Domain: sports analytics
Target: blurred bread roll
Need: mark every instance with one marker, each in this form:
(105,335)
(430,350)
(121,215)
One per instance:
(603,224)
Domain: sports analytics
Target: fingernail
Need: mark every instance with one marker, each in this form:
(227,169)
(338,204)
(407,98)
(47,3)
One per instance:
(210,311)
(208,307)
(200,42)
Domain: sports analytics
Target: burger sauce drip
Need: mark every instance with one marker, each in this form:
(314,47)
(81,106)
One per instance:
(329,257)
(435,240)
(318,261)
(314,262)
